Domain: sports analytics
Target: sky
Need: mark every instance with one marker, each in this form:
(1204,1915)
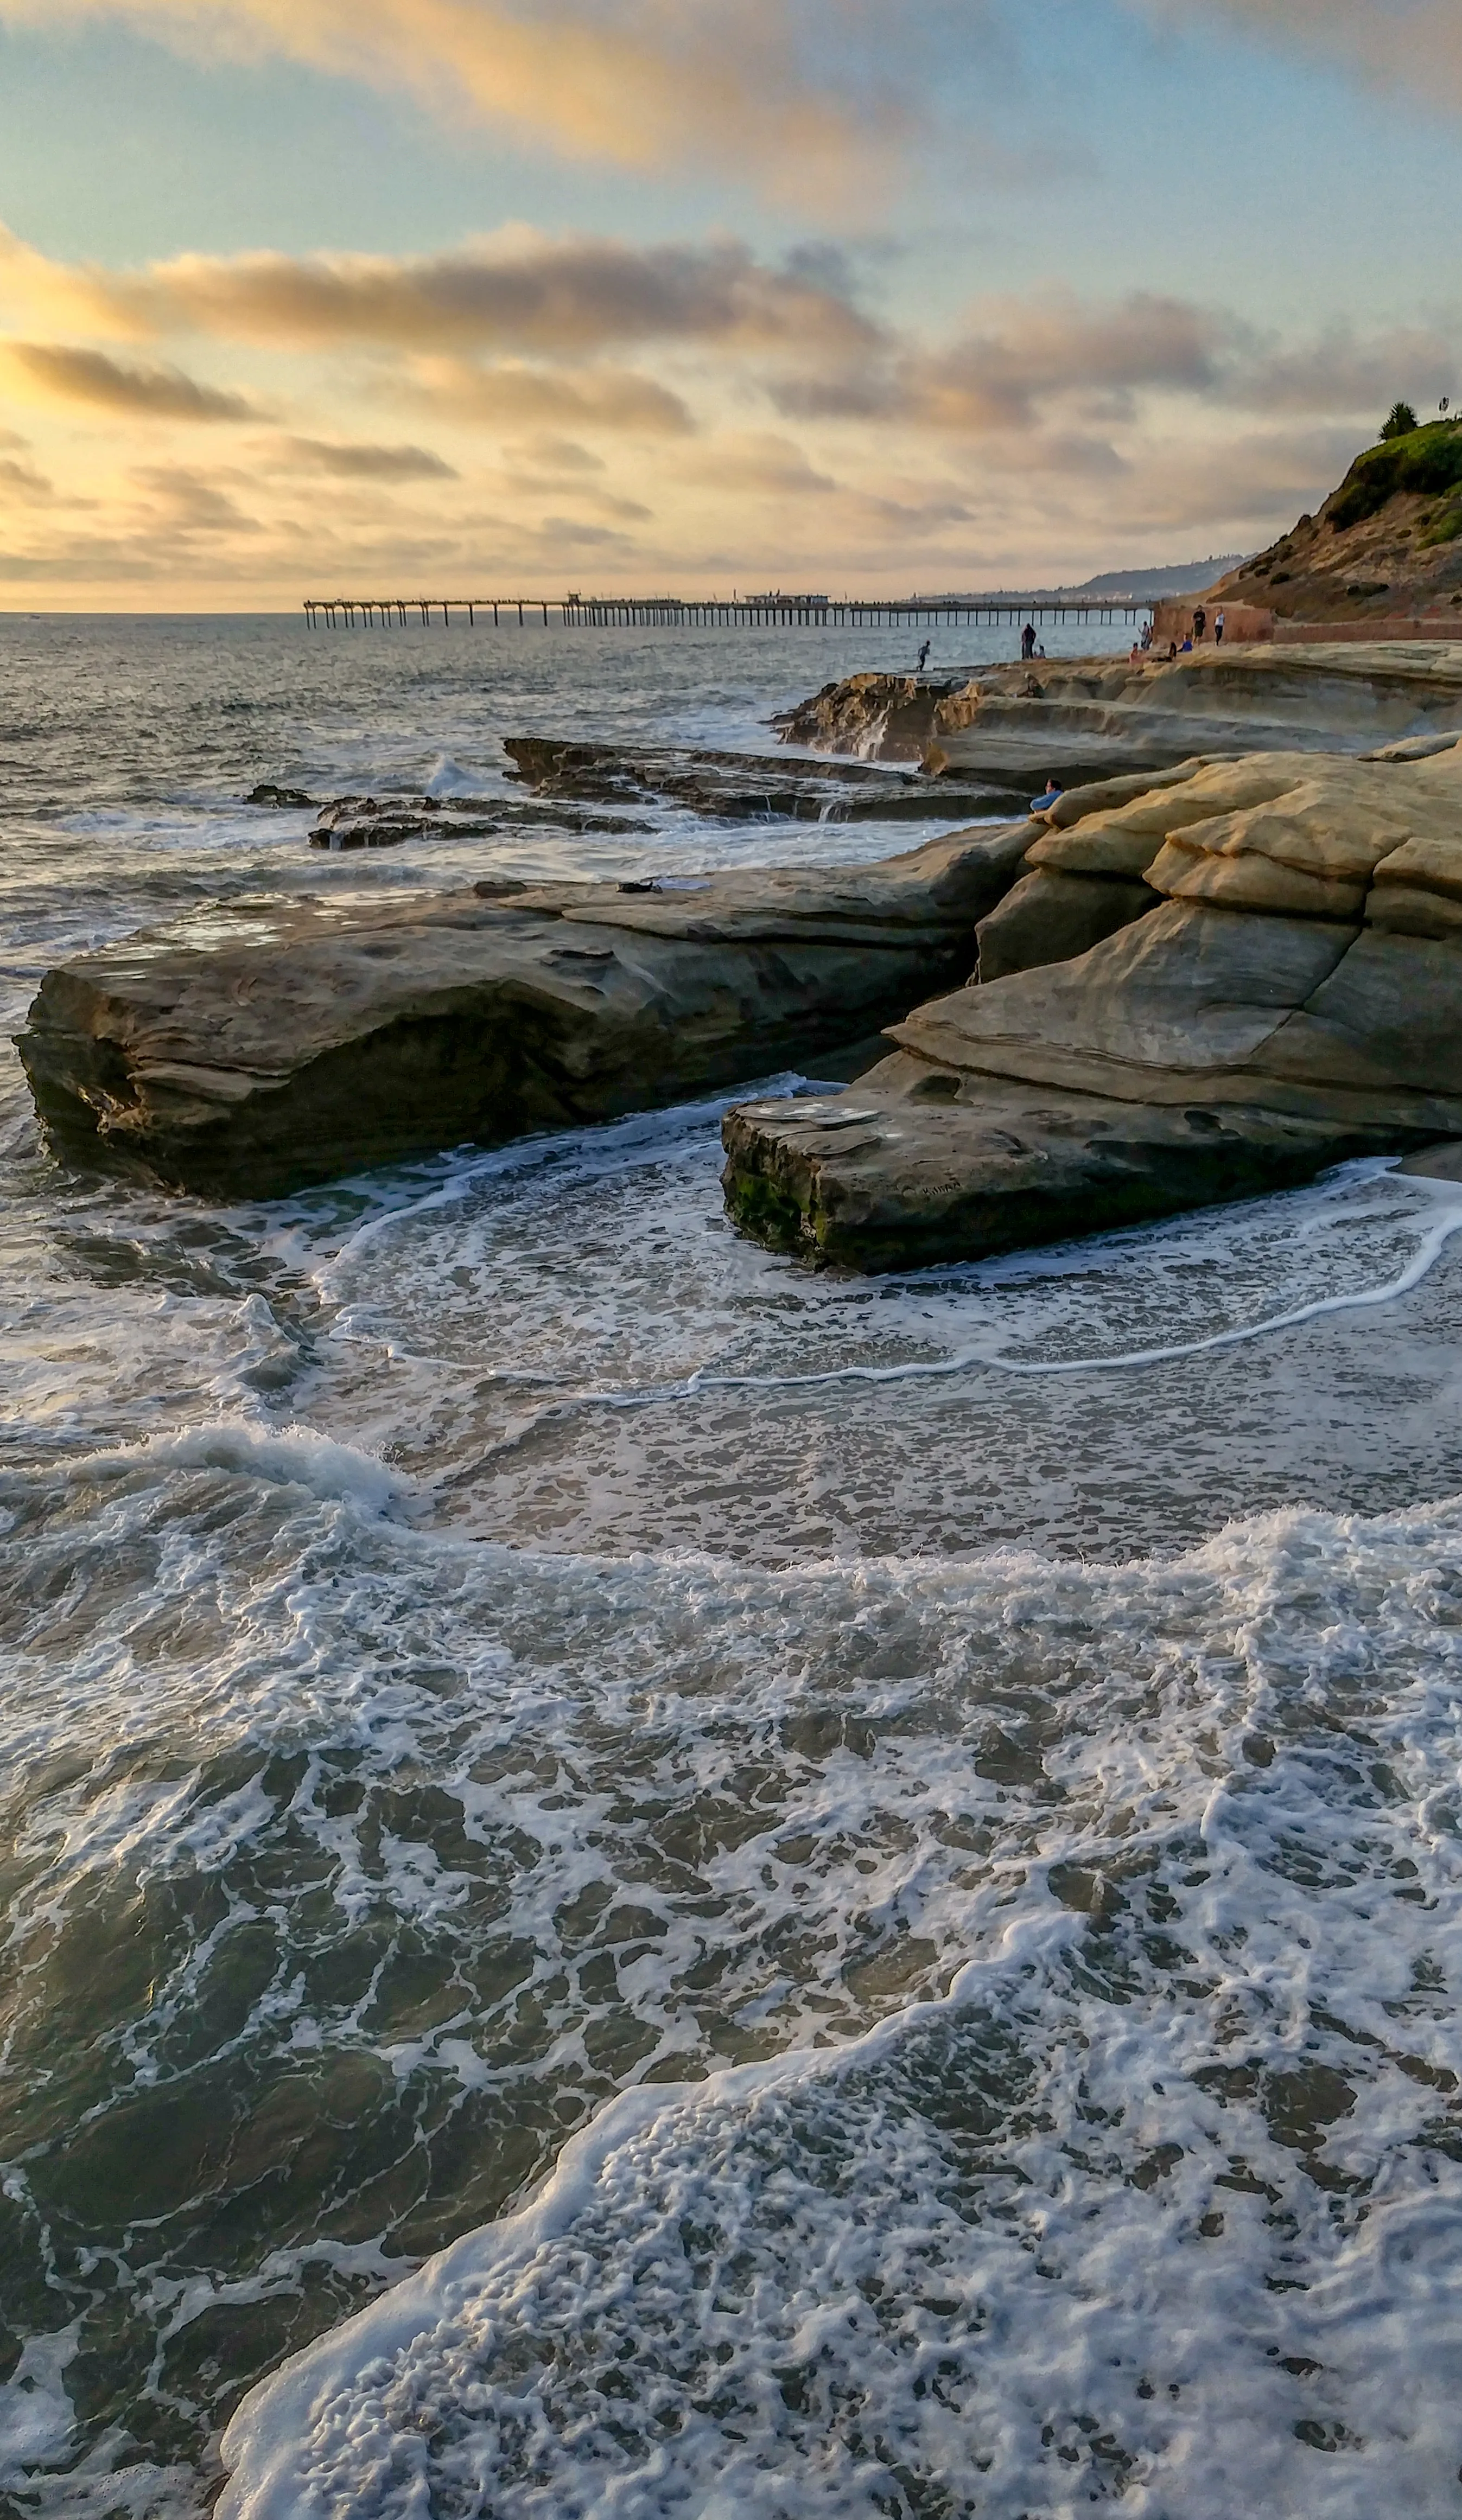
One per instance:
(305,297)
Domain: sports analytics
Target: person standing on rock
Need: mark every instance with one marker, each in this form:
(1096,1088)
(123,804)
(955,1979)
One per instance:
(1200,624)
(1218,627)
(924,655)
(1027,643)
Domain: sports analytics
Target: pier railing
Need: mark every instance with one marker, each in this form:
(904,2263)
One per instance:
(696,612)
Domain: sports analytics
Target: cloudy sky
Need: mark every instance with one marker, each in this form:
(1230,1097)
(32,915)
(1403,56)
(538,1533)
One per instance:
(492,295)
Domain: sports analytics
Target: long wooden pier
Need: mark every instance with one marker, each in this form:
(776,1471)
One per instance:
(707,612)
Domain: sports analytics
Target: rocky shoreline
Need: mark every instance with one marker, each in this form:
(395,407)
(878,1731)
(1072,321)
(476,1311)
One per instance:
(1196,979)
(1084,718)
(254,1048)
(571,786)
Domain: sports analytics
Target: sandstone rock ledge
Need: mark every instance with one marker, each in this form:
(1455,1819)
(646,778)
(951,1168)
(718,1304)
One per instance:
(253,1049)
(1293,996)
(1096,717)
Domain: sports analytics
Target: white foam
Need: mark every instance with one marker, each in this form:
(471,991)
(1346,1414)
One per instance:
(467,1312)
(287,1456)
(36,2412)
(780,2263)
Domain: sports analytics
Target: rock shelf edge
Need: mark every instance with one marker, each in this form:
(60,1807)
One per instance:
(1291,997)
(256,1047)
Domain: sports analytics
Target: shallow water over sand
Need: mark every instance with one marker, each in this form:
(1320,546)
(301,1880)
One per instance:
(940,1792)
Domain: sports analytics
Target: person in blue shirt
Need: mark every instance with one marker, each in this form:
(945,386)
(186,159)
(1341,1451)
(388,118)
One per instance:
(1052,791)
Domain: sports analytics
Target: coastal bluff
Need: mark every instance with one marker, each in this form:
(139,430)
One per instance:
(1282,990)
(250,1049)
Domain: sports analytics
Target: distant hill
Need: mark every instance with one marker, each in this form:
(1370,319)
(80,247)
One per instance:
(1113,586)
(1387,540)
(1187,578)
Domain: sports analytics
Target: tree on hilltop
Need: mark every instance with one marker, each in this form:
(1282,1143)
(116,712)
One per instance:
(1400,420)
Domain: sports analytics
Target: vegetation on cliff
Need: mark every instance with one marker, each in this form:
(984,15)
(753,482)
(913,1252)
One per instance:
(1420,462)
(1381,544)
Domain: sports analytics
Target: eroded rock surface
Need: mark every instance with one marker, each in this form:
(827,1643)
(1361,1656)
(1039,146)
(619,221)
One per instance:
(250,1049)
(1293,998)
(883,717)
(1049,915)
(746,787)
(1094,717)
(376,823)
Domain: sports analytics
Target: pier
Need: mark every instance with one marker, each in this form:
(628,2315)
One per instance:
(709,612)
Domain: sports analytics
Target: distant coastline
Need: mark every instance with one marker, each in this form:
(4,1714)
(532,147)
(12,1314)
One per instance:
(1119,585)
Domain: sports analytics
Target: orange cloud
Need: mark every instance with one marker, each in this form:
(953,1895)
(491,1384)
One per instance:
(639,83)
(357,463)
(510,396)
(518,291)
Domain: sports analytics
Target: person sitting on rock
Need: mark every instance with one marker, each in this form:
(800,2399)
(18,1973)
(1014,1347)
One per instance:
(1186,649)
(1047,797)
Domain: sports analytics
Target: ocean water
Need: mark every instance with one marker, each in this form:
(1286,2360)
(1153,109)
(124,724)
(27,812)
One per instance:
(711,1891)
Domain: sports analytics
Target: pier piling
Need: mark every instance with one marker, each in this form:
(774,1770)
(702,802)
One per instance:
(713,612)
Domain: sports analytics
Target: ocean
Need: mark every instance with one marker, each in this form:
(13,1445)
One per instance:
(876,1862)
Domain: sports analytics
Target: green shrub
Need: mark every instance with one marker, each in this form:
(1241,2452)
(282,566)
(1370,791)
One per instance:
(1400,420)
(1425,460)
(1444,525)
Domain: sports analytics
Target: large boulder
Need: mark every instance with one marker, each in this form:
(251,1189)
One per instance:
(1297,997)
(258,1047)
(890,717)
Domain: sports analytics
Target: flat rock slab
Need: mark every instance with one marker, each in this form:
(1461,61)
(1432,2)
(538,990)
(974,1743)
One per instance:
(383,823)
(249,1049)
(747,787)
(1293,998)
(894,1174)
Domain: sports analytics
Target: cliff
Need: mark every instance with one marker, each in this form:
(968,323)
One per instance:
(1386,542)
